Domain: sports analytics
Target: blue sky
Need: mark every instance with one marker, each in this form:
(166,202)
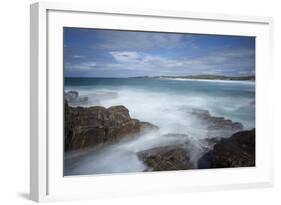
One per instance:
(110,53)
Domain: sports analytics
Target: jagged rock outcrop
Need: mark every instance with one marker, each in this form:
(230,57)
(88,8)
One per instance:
(217,127)
(215,123)
(91,126)
(165,158)
(236,151)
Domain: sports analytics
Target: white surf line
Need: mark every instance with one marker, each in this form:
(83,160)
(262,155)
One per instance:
(214,81)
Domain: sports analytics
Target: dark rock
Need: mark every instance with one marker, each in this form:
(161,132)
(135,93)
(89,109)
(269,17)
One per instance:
(205,161)
(236,151)
(87,127)
(217,127)
(172,157)
(215,124)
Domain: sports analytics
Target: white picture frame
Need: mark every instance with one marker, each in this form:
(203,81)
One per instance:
(46,100)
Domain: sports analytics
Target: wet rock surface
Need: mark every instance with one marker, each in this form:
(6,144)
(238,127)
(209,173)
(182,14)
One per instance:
(236,151)
(176,155)
(165,158)
(217,127)
(87,127)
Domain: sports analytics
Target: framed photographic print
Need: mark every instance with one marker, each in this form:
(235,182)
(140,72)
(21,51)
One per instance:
(127,102)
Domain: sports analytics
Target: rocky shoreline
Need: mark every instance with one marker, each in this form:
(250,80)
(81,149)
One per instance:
(88,127)
(236,151)
(226,145)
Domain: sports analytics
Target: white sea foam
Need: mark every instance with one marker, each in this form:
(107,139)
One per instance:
(163,110)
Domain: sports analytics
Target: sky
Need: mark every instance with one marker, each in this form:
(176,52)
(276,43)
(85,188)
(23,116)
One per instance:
(114,53)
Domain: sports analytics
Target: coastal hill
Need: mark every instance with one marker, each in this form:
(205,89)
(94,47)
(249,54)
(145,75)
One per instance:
(205,77)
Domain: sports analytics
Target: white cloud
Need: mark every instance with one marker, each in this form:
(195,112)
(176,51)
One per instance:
(84,66)
(239,61)
(216,62)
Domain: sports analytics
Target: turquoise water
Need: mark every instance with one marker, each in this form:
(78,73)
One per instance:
(234,100)
(163,102)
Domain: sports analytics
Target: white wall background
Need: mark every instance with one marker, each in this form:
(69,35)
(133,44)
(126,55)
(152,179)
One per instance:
(14,101)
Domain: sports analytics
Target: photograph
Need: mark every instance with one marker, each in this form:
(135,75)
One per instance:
(144,101)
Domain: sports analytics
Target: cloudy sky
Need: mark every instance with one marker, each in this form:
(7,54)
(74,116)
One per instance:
(108,53)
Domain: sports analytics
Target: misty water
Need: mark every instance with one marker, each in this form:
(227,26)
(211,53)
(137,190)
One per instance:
(163,102)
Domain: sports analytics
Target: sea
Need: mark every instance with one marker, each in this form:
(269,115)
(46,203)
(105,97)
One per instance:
(164,102)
